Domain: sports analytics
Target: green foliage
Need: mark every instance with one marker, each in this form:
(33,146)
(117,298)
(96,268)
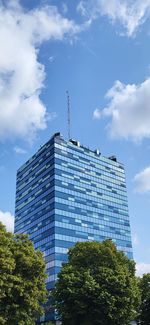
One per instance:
(97,286)
(22,280)
(48,323)
(144,310)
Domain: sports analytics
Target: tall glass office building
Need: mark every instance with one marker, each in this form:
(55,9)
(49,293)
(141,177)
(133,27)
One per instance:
(67,193)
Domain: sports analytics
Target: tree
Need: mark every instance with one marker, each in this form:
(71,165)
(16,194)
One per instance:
(22,280)
(144,310)
(97,286)
(50,322)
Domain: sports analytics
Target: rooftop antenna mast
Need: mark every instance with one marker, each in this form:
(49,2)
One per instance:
(68,113)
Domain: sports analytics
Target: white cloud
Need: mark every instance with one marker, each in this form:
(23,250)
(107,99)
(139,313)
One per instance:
(135,239)
(51,59)
(97,114)
(142,268)
(8,220)
(129,110)
(19,150)
(22,32)
(64,8)
(129,14)
(142,180)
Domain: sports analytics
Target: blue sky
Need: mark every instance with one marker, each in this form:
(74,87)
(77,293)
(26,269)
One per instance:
(99,51)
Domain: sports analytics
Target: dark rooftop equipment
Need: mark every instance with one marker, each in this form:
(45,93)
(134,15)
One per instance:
(57,134)
(76,143)
(114,158)
(97,152)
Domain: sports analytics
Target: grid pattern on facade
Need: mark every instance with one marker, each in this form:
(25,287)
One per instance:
(67,193)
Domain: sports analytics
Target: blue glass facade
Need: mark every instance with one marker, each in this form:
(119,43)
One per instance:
(67,193)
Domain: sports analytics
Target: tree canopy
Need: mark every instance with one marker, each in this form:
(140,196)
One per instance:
(97,286)
(22,280)
(144,310)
